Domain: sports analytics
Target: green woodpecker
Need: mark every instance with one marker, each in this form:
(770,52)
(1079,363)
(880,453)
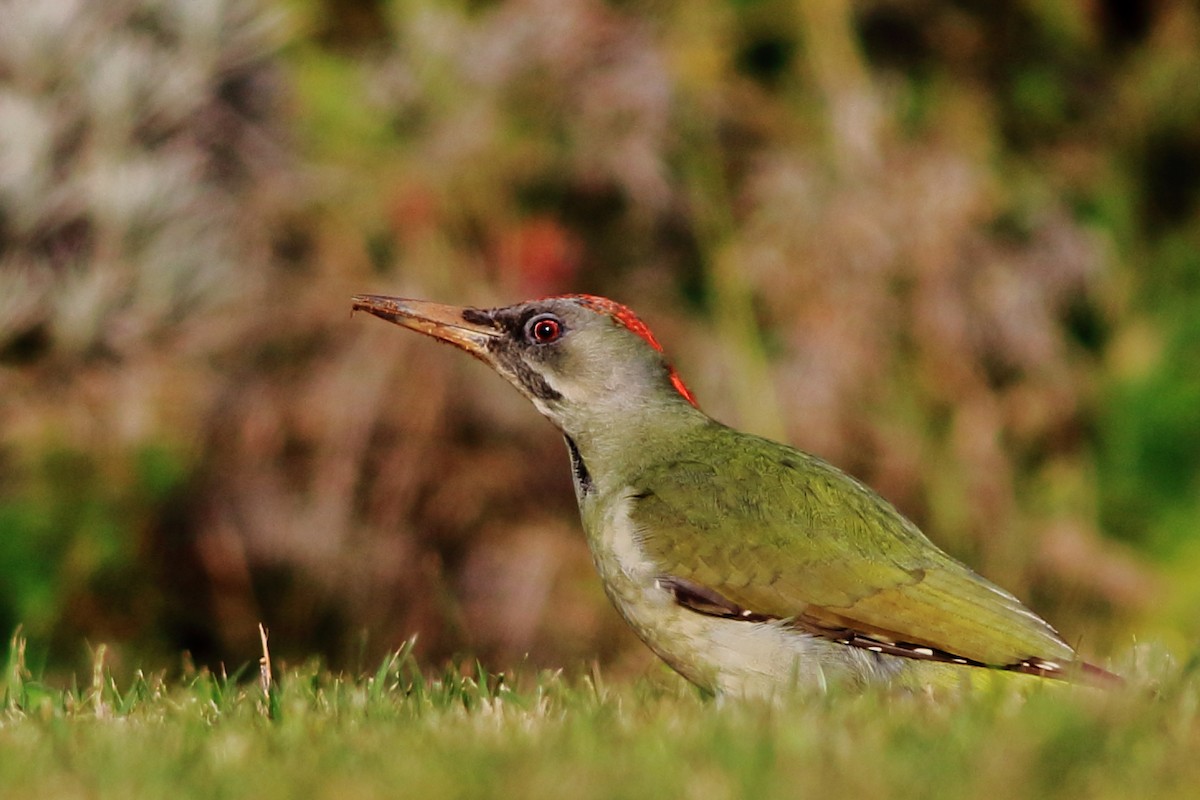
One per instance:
(746,565)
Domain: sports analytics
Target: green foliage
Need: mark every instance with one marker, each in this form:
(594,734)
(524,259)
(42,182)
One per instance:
(1151,438)
(70,531)
(466,733)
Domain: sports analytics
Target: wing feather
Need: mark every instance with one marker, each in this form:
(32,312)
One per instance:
(803,540)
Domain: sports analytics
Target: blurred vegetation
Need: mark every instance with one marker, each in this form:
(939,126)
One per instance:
(952,247)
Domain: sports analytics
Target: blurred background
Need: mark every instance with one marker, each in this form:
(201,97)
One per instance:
(953,247)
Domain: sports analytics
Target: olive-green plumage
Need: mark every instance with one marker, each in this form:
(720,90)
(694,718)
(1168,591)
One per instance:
(745,564)
(804,540)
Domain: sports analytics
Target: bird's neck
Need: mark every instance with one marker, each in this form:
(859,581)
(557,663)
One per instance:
(610,449)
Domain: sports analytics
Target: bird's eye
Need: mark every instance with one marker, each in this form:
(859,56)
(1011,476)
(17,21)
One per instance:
(544,329)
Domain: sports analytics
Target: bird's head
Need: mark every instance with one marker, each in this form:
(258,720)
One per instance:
(580,359)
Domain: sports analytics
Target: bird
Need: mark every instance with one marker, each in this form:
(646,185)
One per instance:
(749,566)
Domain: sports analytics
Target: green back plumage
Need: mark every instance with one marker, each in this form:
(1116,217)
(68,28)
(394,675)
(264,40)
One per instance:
(783,534)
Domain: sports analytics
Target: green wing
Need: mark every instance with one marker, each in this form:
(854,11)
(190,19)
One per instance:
(803,540)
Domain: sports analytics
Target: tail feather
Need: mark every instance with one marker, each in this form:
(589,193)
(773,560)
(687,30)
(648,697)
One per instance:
(1072,670)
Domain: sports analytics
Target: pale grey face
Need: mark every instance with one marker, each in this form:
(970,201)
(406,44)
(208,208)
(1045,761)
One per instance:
(572,360)
(531,343)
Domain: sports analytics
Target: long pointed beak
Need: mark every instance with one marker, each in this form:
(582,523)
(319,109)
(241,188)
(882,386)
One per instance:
(461,327)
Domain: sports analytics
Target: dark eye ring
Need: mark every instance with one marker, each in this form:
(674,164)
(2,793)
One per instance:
(544,329)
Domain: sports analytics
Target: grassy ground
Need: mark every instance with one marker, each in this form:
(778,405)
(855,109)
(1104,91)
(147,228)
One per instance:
(397,733)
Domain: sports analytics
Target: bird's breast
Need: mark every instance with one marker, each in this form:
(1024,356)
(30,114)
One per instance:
(727,655)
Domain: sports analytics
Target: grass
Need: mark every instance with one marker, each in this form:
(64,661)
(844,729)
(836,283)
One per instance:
(466,733)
